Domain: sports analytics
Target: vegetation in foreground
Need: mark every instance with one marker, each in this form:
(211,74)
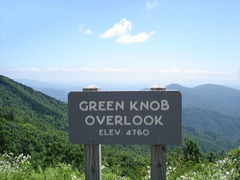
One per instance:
(185,162)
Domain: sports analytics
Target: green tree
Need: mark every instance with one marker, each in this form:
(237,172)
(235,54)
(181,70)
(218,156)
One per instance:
(235,155)
(192,151)
(11,115)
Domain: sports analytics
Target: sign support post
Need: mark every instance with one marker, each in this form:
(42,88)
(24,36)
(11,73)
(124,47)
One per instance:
(92,152)
(158,152)
(125,117)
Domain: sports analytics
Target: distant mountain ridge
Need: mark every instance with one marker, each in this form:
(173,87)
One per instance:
(210,97)
(33,83)
(211,109)
(210,128)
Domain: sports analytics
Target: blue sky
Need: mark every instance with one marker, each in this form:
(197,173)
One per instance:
(128,42)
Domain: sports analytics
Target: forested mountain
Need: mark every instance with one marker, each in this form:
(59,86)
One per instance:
(199,122)
(36,124)
(215,122)
(32,105)
(211,115)
(210,97)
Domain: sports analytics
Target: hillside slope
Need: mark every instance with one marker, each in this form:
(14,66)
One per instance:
(32,105)
(211,97)
(212,121)
(32,122)
(35,124)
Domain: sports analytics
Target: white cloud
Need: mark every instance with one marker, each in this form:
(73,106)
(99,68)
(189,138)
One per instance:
(33,69)
(118,29)
(125,74)
(139,38)
(72,69)
(194,71)
(119,69)
(122,30)
(151,4)
(109,69)
(87,31)
(146,70)
(83,30)
(52,69)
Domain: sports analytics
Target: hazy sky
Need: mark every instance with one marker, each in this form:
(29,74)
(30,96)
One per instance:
(124,41)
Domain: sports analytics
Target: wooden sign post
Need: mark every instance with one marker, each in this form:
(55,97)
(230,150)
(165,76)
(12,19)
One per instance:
(92,153)
(158,152)
(125,117)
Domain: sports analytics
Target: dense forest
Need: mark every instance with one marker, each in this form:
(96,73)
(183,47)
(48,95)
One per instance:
(34,143)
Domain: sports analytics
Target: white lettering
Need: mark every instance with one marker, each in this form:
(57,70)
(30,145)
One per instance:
(110,120)
(150,122)
(110,106)
(154,105)
(83,106)
(119,105)
(145,105)
(137,132)
(117,131)
(118,120)
(91,122)
(125,121)
(164,105)
(145,132)
(133,105)
(101,106)
(109,132)
(100,121)
(135,121)
(158,120)
(100,132)
(92,106)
